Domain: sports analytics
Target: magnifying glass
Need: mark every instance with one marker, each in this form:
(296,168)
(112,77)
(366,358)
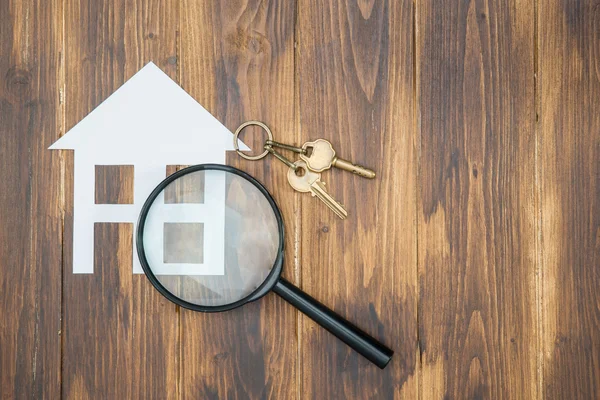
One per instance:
(210,238)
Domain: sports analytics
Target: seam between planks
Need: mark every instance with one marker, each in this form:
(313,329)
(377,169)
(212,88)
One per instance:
(62,197)
(297,203)
(538,201)
(417,144)
(179,350)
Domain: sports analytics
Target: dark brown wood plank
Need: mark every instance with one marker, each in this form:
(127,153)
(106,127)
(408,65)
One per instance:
(30,200)
(355,66)
(114,184)
(237,60)
(569,175)
(477,210)
(120,335)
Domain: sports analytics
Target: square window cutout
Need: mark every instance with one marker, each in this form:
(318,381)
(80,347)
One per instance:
(114,184)
(189,189)
(183,243)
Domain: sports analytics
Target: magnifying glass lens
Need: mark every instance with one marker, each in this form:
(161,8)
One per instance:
(211,238)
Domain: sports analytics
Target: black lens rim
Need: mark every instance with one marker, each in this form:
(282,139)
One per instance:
(259,292)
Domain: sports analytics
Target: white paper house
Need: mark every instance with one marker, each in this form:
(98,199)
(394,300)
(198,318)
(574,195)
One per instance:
(149,122)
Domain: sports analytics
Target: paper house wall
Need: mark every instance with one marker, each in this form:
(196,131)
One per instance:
(149,122)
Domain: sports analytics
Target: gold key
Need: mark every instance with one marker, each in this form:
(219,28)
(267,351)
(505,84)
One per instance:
(323,157)
(304,180)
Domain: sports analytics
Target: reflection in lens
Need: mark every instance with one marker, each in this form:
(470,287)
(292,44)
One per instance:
(211,237)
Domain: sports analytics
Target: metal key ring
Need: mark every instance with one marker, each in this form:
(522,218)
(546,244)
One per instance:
(236,139)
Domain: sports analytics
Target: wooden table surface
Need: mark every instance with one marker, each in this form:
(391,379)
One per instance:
(474,254)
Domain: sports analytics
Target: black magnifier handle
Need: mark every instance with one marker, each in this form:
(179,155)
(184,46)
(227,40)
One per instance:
(347,332)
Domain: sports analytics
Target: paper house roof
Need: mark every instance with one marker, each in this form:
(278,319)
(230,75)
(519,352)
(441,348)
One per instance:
(149,113)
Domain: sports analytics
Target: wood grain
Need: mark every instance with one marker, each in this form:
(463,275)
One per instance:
(473,254)
(30,204)
(189,189)
(569,176)
(120,336)
(477,210)
(237,60)
(114,184)
(355,77)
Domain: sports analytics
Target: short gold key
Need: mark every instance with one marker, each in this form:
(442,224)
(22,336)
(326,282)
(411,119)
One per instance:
(323,157)
(304,180)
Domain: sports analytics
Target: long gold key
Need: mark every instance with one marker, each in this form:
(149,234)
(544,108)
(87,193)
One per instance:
(304,180)
(320,155)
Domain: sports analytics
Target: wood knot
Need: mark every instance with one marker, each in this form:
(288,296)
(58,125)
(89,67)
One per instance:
(220,357)
(17,82)
(253,42)
(561,340)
